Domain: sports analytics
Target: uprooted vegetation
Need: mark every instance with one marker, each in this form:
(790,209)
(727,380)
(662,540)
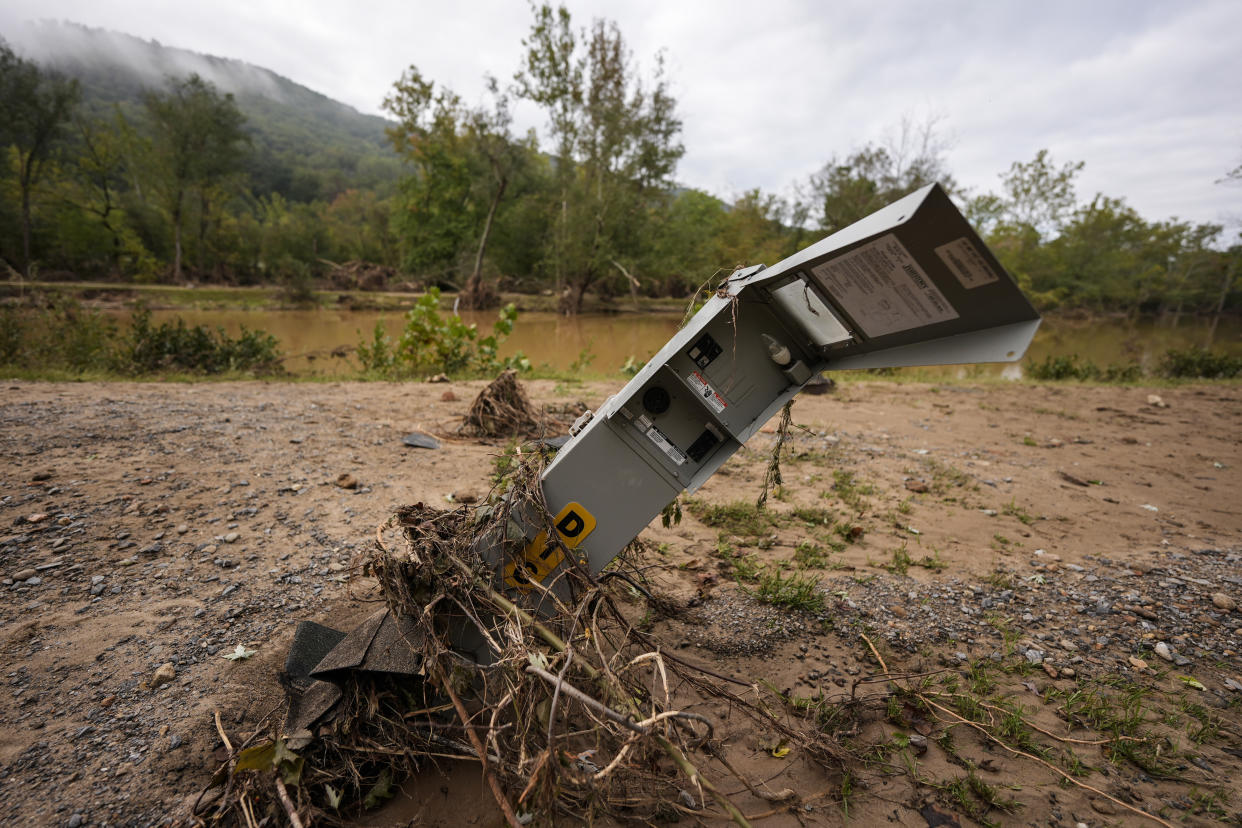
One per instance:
(585,714)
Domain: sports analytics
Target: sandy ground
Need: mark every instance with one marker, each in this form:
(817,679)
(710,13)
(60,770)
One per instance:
(1070,536)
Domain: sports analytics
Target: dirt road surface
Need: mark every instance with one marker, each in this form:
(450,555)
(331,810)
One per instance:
(1070,536)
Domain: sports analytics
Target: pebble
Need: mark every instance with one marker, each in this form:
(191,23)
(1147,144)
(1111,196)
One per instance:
(1138,663)
(182,529)
(164,674)
(1219,599)
(231,537)
(1163,651)
(347,481)
(76,821)
(23,574)
(34,581)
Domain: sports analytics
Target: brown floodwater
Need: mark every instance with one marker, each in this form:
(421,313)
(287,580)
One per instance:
(602,343)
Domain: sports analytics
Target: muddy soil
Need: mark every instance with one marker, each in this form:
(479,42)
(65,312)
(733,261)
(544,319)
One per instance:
(1063,542)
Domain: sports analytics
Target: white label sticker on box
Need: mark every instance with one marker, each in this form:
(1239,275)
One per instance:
(967,263)
(656,436)
(883,288)
(705,391)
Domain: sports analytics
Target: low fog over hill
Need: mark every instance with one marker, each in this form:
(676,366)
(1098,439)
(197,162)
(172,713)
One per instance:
(306,145)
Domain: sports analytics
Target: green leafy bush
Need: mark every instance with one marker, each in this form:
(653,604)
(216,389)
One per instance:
(1198,363)
(175,346)
(432,343)
(1072,367)
(1067,367)
(68,337)
(63,336)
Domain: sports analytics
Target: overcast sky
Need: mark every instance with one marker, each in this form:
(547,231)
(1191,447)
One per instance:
(1148,94)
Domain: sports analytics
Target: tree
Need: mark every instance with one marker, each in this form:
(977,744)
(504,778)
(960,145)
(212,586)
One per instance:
(464,160)
(851,188)
(617,141)
(1038,194)
(36,106)
(197,145)
(434,216)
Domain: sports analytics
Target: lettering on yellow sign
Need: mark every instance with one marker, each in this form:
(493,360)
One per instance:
(542,555)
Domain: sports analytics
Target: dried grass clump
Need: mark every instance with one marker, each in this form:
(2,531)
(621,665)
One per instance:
(502,409)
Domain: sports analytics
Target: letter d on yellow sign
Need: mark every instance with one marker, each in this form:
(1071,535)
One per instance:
(542,556)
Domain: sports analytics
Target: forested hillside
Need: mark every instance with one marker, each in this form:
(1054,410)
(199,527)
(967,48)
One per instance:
(304,145)
(129,160)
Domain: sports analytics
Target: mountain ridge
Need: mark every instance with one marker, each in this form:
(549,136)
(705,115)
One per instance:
(306,145)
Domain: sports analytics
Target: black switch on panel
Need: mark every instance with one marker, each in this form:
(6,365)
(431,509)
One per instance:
(700,447)
(704,351)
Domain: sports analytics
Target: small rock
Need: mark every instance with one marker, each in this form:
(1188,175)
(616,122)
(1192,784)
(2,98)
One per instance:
(153,549)
(448,396)
(38,517)
(336,566)
(1034,656)
(464,497)
(1103,806)
(1163,651)
(1137,663)
(347,481)
(1051,670)
(174,741)
(231,537)
(210,549)
(295,440)
(1068,672)
(916,486)
(182,529)
(919,743)
(34,581)
(1154,400)
(1219,599)
(164,674)
(76,821)
(23,574)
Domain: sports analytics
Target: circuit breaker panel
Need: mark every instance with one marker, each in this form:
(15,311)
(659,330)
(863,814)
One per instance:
(910,285)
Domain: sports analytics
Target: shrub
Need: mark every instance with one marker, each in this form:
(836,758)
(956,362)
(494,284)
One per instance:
(1198,363)
(174,346)
(436,344)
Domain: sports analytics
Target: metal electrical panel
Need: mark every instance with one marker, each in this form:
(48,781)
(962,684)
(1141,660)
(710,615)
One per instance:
(912,284)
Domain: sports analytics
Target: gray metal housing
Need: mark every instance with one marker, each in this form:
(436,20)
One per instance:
(911,284)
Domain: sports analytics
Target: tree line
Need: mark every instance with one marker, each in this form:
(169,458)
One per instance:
(161,191)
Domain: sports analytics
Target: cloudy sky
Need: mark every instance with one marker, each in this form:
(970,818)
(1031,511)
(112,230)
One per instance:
(1147,94)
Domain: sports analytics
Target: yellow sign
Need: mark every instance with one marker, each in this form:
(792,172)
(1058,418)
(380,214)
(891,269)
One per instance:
(542,556)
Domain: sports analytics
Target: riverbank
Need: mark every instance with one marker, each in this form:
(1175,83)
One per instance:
(126,296)
(1070,551)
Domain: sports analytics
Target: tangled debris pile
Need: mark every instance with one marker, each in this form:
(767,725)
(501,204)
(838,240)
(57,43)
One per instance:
(580,714)
(502,409)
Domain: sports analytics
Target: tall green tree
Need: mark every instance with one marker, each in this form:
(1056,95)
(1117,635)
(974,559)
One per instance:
(617,137)
(434,213)
(37,105)
(851,188)
(198,143)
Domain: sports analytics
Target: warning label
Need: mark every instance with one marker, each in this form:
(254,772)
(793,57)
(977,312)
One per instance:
(705,391)
(967,263)
(883,288)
